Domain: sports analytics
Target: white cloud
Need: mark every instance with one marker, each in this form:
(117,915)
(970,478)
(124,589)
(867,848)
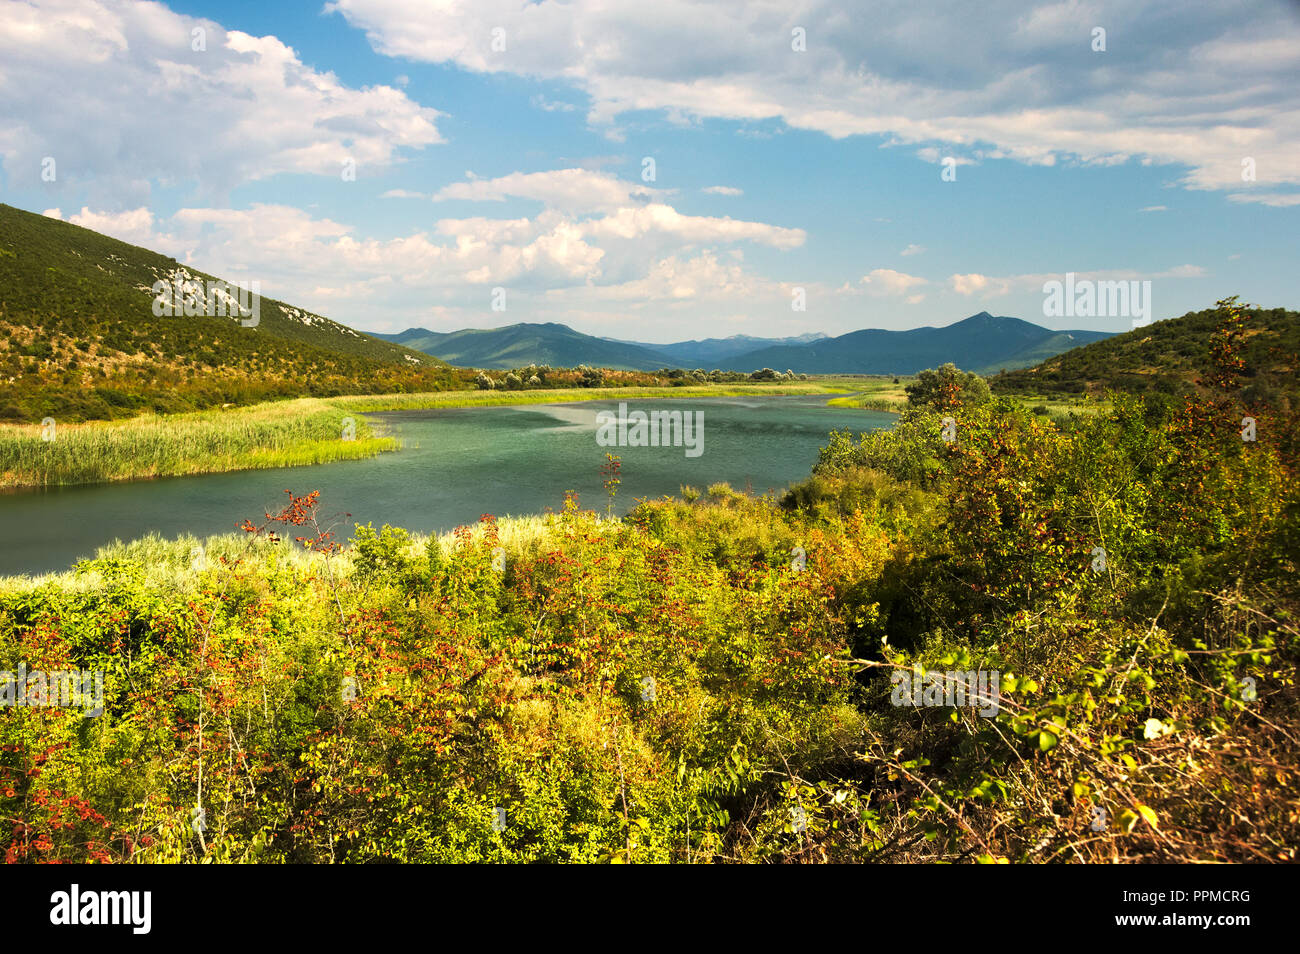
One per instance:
(1154,208)
(546,105)
(913,249)
(573,190)
(723,190)
(134,226)
(886,281)
(114,91)
(988,286)
(651,251)
(969,284)
(1202,88)
(660,218)
(1278,200)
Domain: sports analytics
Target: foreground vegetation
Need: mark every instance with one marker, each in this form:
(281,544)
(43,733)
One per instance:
(710,680)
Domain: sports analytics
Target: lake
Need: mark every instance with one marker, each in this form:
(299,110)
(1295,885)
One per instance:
(455,465)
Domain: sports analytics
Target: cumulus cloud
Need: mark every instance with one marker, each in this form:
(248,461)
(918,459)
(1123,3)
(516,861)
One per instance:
(970,284)
(651,250)
(134,226)
(574,190)
(116,93)
(664,219)
(1201,86)
(989,286)
(886,281)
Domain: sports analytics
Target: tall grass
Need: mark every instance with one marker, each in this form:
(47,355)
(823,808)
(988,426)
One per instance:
(875,394)
(275,434)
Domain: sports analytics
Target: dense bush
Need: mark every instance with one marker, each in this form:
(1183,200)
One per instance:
(946,387)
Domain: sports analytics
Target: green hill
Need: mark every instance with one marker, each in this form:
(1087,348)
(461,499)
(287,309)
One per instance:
(708,352)
(79,338)
(1048,347)
(981,343)
(1172,357)
(515,346)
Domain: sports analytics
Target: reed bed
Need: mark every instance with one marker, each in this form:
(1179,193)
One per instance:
(274,434)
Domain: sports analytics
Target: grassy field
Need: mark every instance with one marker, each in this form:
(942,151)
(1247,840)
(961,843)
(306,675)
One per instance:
(278,433)
(875,394)
(1058,407)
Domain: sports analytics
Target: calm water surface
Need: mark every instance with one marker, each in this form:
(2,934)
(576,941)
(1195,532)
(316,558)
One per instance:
(456,464)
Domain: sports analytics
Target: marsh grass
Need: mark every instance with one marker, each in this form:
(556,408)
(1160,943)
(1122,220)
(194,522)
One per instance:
(875,394)
(276,434)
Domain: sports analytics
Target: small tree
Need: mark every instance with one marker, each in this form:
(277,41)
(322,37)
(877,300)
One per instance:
(947,387)
(612,471)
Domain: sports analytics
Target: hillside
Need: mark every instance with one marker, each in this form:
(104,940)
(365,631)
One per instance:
(708,352)
(516,346)
(1172,357)
(981,343)
(79,338)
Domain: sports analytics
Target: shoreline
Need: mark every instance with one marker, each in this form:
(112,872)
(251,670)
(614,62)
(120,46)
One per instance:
(290,433)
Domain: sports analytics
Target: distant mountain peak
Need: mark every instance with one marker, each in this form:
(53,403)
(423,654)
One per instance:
(982,342)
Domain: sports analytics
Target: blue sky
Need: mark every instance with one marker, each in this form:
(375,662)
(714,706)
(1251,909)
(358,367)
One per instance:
(776,169)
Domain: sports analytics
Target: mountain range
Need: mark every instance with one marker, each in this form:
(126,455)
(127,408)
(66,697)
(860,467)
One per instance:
(982,343)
